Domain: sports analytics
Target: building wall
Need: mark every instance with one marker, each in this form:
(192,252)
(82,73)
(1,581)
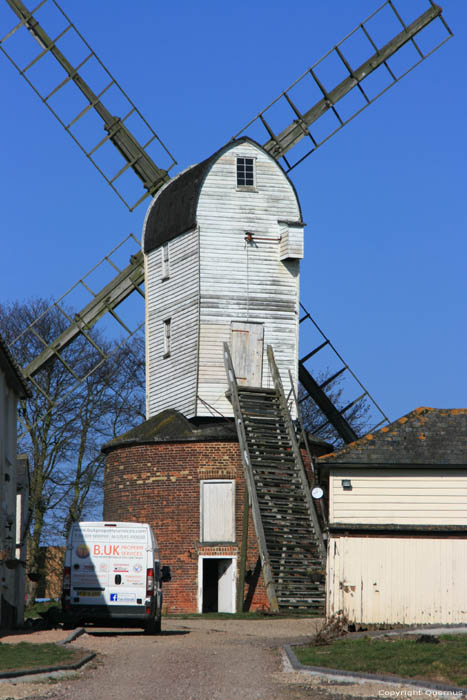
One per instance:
(242,281)
(398,580)
(399,496)
(171,382)
(160,484)
(8,577)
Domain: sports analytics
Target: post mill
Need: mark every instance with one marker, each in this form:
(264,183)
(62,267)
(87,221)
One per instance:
(222,243)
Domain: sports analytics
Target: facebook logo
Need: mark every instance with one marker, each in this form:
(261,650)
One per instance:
(113,597)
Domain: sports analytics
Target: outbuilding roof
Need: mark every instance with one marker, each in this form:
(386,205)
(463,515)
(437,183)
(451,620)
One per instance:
(424,437)
(173,210)
(13,374)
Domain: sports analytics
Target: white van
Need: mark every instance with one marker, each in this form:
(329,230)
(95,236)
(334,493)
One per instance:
(113,572)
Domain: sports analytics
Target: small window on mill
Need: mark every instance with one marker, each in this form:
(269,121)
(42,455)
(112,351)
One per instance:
(167,336)
(165,261)
(245,172)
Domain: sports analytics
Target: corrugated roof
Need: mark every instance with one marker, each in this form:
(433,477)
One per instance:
(425,436)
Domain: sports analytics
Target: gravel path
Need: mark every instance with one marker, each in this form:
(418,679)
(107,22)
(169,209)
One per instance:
(192,660)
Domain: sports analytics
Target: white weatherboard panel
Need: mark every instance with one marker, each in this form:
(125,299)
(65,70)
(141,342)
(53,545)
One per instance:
(291,242)
(403,580)
(245,282)
(399,496)
(171,381)
(217,278)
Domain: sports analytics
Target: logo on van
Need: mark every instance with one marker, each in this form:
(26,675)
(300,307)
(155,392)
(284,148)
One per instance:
(137,568)
(82,551)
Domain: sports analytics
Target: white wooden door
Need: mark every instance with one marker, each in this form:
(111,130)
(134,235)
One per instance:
(247,352)
(217,511)
(226,584)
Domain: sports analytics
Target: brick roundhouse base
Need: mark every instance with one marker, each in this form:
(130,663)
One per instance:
(153,474)
(152,477)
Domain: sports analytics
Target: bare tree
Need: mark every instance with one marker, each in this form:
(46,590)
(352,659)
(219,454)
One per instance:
(314,420)
(67,426)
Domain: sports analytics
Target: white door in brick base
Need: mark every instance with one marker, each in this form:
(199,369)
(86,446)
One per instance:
(217,510)
(226,586)
(217,584)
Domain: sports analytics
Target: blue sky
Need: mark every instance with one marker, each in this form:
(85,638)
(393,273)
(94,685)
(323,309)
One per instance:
(385,267)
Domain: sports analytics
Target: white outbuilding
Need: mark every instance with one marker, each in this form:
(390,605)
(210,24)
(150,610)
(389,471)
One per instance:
(397,548)
(14,495)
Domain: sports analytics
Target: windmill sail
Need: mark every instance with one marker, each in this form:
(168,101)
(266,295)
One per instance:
(98,294)
(281,143)
(70,89)
(283,139)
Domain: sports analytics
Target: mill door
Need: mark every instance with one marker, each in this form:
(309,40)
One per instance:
(247,352)
(226,586)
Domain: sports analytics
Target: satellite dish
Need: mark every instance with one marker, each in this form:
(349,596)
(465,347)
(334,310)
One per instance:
(317,492)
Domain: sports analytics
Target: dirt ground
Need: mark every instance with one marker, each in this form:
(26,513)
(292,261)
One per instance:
(193,660)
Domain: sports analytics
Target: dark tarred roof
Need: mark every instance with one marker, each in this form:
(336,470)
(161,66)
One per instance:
(424,437)
(172,426)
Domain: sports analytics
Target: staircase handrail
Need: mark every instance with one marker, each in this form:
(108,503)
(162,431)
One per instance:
(276,378)
(246,460)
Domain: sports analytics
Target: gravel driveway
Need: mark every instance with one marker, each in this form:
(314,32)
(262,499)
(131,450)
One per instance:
(190,660)
(195,660)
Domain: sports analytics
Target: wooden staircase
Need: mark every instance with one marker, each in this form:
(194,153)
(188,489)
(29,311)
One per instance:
(289,536)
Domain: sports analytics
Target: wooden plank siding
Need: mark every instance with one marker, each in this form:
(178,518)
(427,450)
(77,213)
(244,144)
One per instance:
(240,281)
(393,580)
(172,381)
(399,496)
(217,278)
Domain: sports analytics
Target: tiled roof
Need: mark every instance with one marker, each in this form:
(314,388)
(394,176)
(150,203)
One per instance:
(424,436)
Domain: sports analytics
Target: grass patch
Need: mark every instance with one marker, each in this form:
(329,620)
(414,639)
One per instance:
(445,662)
(35,609)
(26,656)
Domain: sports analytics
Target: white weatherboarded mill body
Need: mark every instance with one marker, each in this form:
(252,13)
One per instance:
(222,245)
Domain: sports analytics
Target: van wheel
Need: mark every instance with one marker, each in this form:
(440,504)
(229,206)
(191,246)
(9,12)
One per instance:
(69,623)
(153,626)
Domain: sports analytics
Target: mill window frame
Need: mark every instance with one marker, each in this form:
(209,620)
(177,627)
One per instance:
(246,173)
(165,262)
(167,329)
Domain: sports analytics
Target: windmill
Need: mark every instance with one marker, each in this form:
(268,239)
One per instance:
(288,145)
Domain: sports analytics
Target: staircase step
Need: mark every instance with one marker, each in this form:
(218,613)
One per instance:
(287,458)
(242,389)
(291,542)
(270,403)
(269,443)
(271,422)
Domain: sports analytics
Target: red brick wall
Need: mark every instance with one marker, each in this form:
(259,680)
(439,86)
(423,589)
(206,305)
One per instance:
(160,484)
